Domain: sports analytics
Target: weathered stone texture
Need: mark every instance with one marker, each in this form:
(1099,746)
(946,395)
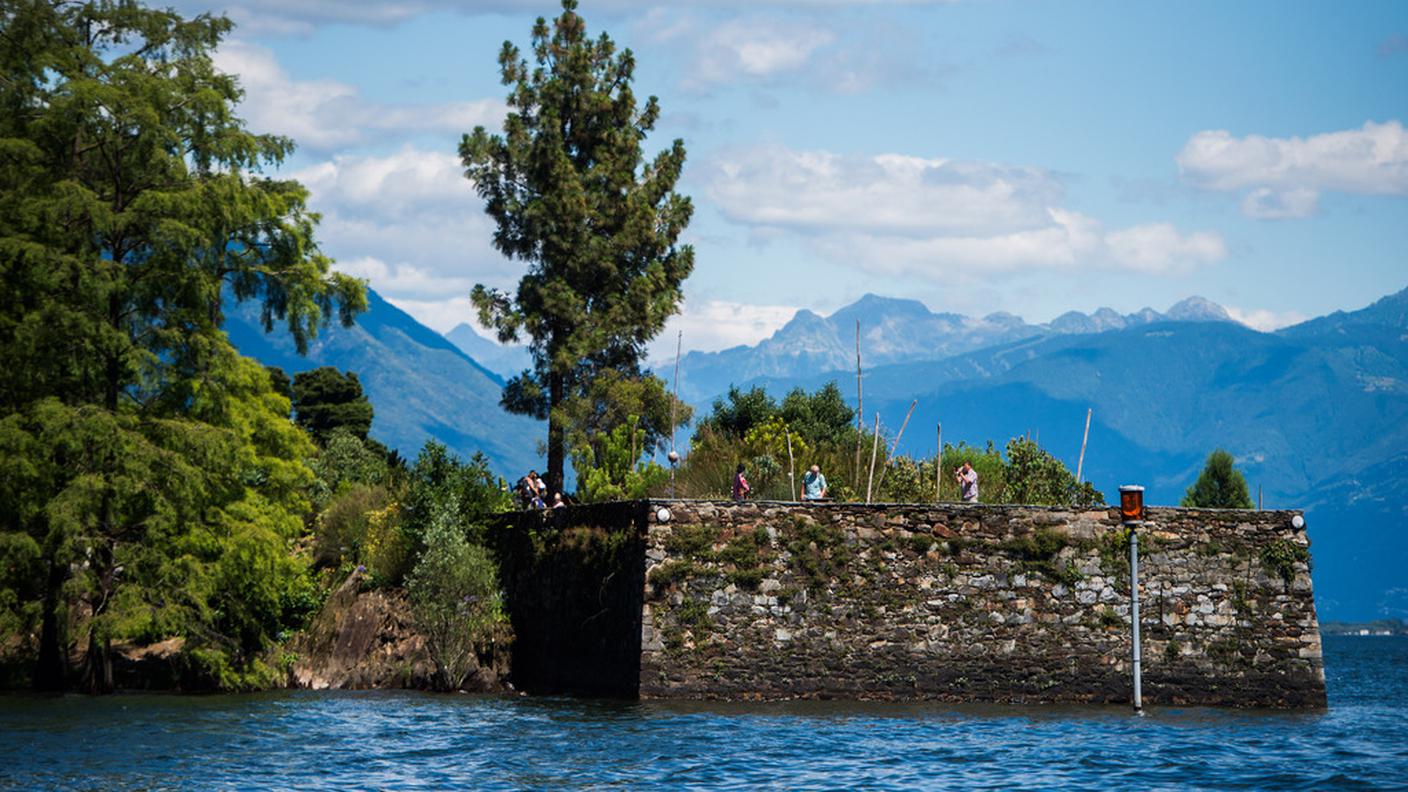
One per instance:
(981,602)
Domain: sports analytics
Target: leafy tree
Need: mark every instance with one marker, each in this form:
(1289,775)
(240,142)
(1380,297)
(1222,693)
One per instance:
(325,399)
(279,379)
(742,412)
(616,471)
(1033,476)
(610,401)
(572,195)
(153,467)
(1219,486)
(454,599)
(821,417)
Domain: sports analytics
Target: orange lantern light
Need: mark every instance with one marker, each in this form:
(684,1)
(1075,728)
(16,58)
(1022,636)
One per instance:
(1132,503)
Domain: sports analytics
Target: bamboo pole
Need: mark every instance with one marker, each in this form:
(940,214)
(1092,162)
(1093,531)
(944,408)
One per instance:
(896,444)
(679,345)
(860,409)
(874,448)
(1080,463)
(939,466)
(791,468)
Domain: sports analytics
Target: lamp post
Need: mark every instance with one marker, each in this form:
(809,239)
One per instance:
(1132,516)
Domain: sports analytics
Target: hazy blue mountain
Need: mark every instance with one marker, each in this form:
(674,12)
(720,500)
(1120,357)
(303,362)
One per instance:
(895,331)
(504,361)
(420,385)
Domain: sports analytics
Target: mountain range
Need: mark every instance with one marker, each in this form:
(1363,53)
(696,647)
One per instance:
(897,331)
(1316,414)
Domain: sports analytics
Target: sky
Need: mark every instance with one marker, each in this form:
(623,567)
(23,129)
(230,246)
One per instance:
(977,155)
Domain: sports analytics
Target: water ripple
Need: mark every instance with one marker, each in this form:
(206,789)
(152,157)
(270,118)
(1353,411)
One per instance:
(413,741)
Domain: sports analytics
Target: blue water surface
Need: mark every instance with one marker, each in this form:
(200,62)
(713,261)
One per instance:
(394,740)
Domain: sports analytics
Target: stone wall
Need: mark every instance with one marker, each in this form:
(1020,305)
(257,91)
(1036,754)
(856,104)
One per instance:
(950,602)
(955,602)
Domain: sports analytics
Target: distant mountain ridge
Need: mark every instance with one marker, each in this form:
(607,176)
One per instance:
(504,361)
(898,331)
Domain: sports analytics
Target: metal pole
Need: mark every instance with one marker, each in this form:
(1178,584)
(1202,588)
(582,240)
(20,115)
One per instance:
(1134,613)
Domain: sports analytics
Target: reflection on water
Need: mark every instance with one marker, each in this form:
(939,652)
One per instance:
(384,740)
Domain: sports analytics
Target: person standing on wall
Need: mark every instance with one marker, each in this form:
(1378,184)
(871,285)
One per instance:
(967,479)
(740,484)
(813,484)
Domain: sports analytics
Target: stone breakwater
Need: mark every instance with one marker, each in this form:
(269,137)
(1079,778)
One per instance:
(949,602)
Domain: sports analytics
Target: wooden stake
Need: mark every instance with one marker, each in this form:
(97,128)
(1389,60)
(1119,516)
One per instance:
(939,466)
(1258,497)
(1080,463)
(874,448)
(896,445)
(791,468)
(860,408)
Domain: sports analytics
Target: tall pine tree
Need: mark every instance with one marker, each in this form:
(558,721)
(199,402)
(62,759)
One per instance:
(573,196)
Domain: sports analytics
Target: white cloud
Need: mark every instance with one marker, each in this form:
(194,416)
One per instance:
(326,114)
(1158,247)
(934,217)
(441,315)
(404,279)
(1263,319)
(409,222)
(301,17)
(754,49)
(1284,176)
(711,325)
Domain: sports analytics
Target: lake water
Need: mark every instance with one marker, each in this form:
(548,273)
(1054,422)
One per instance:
(385,740)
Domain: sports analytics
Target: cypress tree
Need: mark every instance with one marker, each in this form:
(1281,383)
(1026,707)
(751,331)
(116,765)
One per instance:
(572,195)
(151,467)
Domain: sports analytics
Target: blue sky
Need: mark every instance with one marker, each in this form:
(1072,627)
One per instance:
(1031,157)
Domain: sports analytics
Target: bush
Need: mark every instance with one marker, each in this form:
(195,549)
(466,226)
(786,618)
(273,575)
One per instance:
(386,550)
(454,601)
(342,527)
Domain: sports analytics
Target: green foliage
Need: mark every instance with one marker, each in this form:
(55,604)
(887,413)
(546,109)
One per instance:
(572,195)
(615,470)
(342,527)
(821,417)
(440,482)
(346,460)
(455,600)
(1280,557)
(1034,477)
(1219,486)
(325,400)
(693,541)
(992,472)
(743,411)
(611,400)
(154,468)
(818,551)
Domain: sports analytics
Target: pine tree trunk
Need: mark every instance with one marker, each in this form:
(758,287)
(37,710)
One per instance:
(556,452)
